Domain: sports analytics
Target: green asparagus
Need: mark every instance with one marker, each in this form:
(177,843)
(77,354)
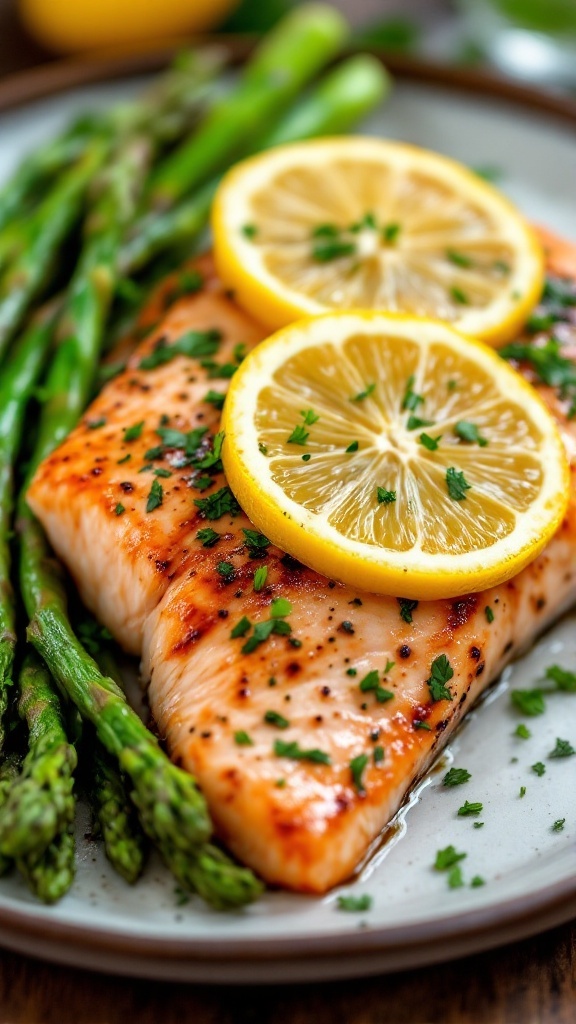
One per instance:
(300,45)
(10,769)
(17,382)
(340,99)
(50,875)
(40,804)
(118,825)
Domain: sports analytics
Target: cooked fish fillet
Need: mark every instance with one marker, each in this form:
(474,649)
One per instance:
(302,814)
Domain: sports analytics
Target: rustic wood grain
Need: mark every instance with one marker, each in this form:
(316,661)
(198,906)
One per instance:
(532,982)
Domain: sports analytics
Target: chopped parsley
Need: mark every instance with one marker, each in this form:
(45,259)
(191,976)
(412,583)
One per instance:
(563,748)
(357,766)
(522,792)
(558,824)
(352,447)
(489,614)
(261,631)
(208,536)
(385,497)
(306,457)
(565,680)
(309,416)
(119,510)
(220,503)
(241,628)
(441,673)
(188,283)
(459,296)
(242,739)
(414,422)
(539,768)
(256,543)
(459,259)
(326,249)
(368,390)
(215,398)
(260,577)
(298,436)
(378,755)
(430,443)
(371,683)
(249,230)
(549,365)
(477,881)
(193,344)
(529,702)
(155,496)
(354,904)
(455,878)
(469,432)
(522,732)
(274,718)
(94,424)
(294,751)
(226,570)
(411,400)
(456,484)
(456,776)
(418,724)
(468,809)
(133,433)
(406,608)
(125,458)
(447,858)
(280,607)
(390,232)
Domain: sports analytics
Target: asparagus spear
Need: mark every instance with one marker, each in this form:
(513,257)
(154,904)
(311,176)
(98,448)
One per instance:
(40,804)
(10,769)
(123,838)
(341,98)
(45,232)
(50,875)
(18,379)
(296,49)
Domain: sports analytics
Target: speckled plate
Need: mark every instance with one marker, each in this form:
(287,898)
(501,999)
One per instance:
(529,869)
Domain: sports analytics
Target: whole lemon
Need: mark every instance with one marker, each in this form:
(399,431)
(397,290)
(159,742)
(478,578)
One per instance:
(73,26)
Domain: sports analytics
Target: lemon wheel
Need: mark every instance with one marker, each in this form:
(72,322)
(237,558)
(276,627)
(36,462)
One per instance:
(354,222)
(394,454)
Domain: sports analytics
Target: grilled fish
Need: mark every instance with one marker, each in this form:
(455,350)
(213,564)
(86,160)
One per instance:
(304,708)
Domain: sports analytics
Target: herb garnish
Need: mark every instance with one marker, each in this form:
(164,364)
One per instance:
(385,497)
(256,543)
(522,732)
(354,904)
(459,296)
(155,497)
(469,432)
(274,718)
(119,509)
(371,682)
(357,766)
(193,344)
(456,484)
(242,739)
(447,858)
(459,259)
(134,432)
(456,776)
(215,398)
(468,809)
(430,443)
(298,436)
(295,751)
(489,614)
(368,390)
(563,748)
(539,768)
(406,608)
(260,577)
(352,447)
(411,400)
(220,503)
(226,570)
(558,824)
(529,702)
(441,673)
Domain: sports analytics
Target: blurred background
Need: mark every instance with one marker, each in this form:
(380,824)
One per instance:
(530,39)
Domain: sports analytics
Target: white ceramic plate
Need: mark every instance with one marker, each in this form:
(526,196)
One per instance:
(529,869)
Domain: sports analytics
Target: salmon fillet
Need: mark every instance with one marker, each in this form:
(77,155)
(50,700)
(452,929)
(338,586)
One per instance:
(302,756)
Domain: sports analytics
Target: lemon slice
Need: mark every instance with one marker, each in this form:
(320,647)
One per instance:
(394,454)
(347,223)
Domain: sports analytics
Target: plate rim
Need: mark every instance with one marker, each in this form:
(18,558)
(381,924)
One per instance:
(475,929)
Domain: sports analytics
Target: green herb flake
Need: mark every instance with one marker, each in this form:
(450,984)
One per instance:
(155,496)
(215,398)
(95,424)
(529,702)
(522,732)
(447,858)
(468,808)
(208,536)
(298,436)
(309,416)
(559,825)
(133,433)
(294,751)
(249,230)
(478,824)
(441,673)
(456,484)
(280,607)
(390,232)
(242,739)
(385,497)
(368,390)
(430,443)
(390,664)
(522,792)
(411,400)
(371,683)
(354,904)
(220,503)
(327,249)
(477,881)
(539,768)
(455,879)
(306,457)
(456,777)
(418,724)
(226,570)
(352,447)
(357,767)
(119,510)
(378,755)
(260,577)
(565,680)
(470,433)
(274,718)
(563,748)
(489,614)
(414,423)
(256,543)
(125,458)
(406,608)
(241,628)
(351,671)
(459,259)
(193,344)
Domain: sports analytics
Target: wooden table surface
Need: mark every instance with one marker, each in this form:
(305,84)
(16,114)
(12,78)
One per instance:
(532,982)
